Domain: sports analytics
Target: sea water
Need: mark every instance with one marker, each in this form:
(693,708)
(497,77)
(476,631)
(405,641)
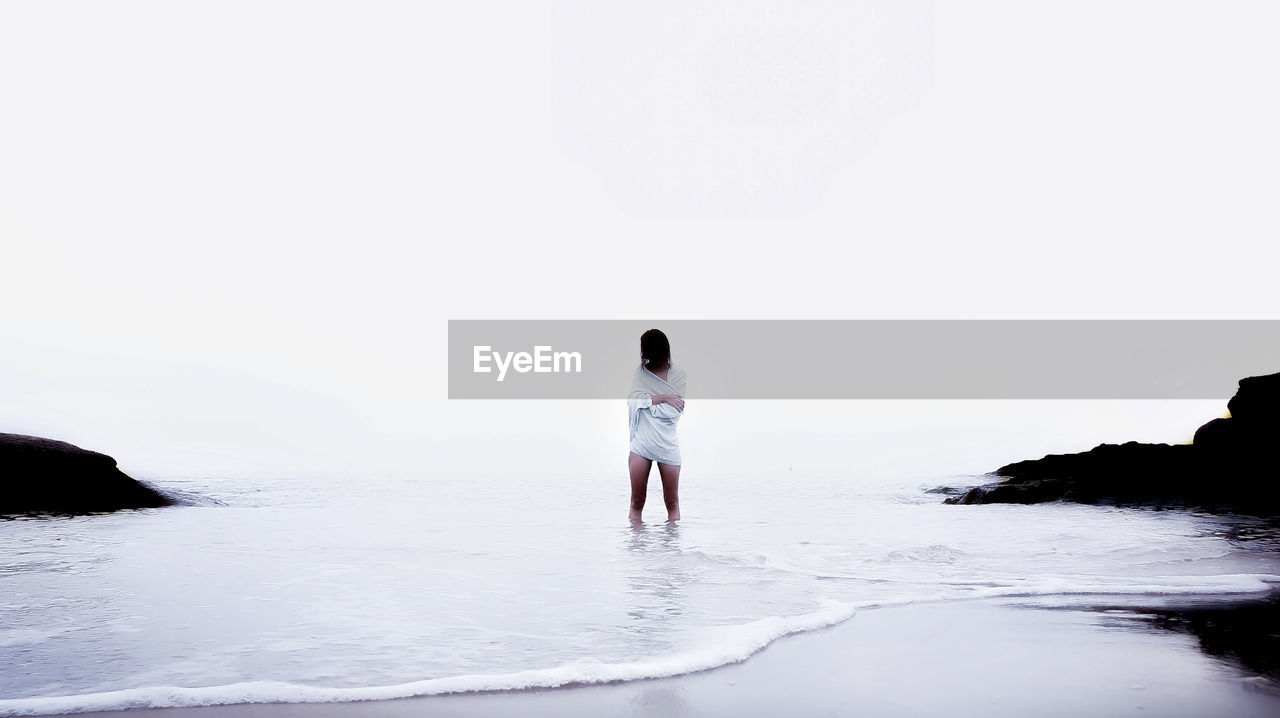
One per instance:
(323,590)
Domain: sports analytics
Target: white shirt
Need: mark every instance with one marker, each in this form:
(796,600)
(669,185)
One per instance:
(653,426)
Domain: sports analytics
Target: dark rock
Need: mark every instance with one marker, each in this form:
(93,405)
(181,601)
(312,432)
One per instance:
(1257,400)
(1217,435)
(1232,464)
(46,476)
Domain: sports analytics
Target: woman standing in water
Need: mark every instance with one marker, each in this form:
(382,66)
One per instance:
(655,404)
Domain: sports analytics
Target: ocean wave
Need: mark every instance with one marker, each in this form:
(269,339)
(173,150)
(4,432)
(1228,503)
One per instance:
(736,644)
(740,642)
(1221,585)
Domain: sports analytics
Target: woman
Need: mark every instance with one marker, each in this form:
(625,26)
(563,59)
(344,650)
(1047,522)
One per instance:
(656,403)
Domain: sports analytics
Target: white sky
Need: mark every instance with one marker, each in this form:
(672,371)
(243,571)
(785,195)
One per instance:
(233,231)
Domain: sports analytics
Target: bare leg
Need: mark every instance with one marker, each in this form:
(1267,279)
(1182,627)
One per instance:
(670,489)
(638,467)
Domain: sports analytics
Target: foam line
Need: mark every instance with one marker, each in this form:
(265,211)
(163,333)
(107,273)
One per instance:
(741,642)
(738,644)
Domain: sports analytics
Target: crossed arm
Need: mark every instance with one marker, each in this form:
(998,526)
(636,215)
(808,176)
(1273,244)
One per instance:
(673,401)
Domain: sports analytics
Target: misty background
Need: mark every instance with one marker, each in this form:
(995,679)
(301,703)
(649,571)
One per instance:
(233,232)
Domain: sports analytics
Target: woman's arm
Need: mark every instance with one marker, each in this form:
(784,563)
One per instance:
(672,399)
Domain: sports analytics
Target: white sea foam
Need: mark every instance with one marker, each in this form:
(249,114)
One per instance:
(738,644)
(1245,583)
(735,644)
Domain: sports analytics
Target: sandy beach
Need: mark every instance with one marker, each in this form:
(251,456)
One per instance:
(970,658)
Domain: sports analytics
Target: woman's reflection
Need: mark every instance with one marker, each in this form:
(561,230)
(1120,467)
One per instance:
(657,578)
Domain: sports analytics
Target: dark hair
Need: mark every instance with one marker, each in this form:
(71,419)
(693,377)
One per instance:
(654,348)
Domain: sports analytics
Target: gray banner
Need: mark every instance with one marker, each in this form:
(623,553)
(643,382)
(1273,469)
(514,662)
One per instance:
(867,359)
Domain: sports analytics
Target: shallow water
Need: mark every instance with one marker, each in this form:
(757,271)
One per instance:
(368,588)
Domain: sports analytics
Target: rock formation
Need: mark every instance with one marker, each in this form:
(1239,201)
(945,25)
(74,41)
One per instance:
(46,476)
(1232,464)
